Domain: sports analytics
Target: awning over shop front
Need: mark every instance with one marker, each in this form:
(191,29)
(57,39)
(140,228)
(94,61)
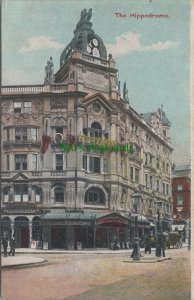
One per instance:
(179,227)
(113,219)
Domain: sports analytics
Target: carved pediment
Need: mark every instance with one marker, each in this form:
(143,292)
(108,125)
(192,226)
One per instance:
(99,98)
(19,177)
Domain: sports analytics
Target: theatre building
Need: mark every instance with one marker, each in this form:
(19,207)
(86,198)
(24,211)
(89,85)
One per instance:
(83,196)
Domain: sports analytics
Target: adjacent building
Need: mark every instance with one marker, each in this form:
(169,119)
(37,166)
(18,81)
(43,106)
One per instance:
(181,193)
(77,159)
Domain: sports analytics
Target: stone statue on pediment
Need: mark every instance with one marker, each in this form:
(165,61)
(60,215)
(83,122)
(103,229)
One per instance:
(49,71)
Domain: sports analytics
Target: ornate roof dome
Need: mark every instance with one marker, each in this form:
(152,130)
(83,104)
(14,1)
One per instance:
(85,39)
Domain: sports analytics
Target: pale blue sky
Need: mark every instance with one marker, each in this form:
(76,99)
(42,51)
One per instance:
(152,55)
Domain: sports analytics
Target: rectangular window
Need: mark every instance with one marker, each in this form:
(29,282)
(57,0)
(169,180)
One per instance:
(151,160)
(105,165)
(59,162)
(163,164)
(136,175)
(122,168)
(21,193)
(7,162)
(157,185)
(21,162)
(8,137)
(167,189)
(85,162)
(94,164)
(179,199)
(21,134)
(34,162)
(34,134)
(37,196)
(146,159)
(163,188)
(17,107)
(27,107)
(157,163)
(179,187)
(59,130)
(146,179)
(131,173)
(151,182)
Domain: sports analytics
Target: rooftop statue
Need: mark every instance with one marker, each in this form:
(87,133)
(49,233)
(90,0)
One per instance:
(49,71)
(84,17)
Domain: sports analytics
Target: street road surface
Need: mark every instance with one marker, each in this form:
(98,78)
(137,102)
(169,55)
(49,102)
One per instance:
(100,276)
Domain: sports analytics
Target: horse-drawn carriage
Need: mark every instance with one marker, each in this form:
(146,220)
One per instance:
(173,239)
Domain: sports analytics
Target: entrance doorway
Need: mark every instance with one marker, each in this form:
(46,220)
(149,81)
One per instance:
(58,237)
(21,225)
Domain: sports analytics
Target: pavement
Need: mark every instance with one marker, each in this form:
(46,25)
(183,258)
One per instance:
(20,258)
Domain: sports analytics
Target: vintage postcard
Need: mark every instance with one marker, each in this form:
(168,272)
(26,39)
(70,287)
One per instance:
(95,150)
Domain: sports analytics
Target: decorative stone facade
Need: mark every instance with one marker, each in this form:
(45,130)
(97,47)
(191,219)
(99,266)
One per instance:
(60,195)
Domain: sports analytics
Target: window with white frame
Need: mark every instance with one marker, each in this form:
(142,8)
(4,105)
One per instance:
(21,134)
(22,107)
(20,162)
(179,199)
(179,187)
(17,107)
(21,193)
(27,107)
(33,134)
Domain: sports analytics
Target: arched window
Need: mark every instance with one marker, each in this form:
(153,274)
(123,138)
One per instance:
(95,196)
(96,130)
(59,194)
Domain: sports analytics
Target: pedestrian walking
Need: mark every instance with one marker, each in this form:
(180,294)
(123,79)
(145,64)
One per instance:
(5,244)
(12,245)
(147,244)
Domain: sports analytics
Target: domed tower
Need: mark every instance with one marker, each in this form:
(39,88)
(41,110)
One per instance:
(84,40)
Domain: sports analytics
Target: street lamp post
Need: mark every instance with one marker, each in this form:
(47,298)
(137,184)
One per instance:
(158,246)
(136,247)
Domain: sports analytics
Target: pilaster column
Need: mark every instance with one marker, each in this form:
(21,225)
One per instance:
(30,232)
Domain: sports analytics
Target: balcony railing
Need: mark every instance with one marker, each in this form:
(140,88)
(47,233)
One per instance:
(33,89)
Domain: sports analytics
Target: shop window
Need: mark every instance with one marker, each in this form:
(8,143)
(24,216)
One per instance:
(21,193)
(95,196)
(59,194)
(21,162)
(59,162)
(94,164)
